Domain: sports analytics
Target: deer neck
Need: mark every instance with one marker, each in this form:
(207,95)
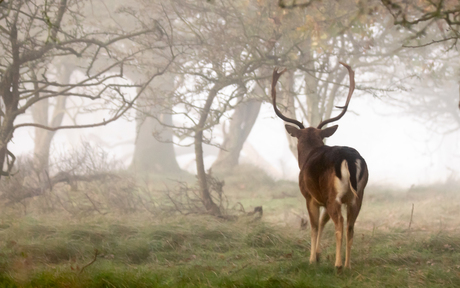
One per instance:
(304,152)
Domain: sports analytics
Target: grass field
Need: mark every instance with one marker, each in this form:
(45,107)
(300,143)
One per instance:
(140,249)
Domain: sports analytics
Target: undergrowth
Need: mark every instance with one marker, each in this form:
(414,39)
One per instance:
(115,234)
(202,251)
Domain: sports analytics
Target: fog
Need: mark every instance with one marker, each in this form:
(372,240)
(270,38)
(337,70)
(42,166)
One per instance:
(399,150)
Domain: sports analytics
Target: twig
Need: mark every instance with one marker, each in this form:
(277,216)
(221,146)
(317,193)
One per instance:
(109,283)
(283,5)
(431,43)
(241,205)
(49,180)
(94,205)
(62,204)
(167,192)
(143,204)
(411,214)
(236,271)
(96,252)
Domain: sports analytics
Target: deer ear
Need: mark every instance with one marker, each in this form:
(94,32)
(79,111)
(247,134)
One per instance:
(329,131)
(293,131)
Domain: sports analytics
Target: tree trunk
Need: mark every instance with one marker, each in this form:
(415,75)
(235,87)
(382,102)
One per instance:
(154,150)
(40,114)
(313,99)
(242,121)
(458,94)
(287,99)
(9,91)
(210,206)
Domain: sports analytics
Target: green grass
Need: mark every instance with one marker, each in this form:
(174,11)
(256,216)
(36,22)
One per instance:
(202,251)
(145,250)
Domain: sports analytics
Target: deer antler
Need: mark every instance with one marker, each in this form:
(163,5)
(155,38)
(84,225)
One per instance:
(350,92)
(276,76)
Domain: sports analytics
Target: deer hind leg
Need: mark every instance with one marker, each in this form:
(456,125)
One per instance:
(313,212)
(353,208)
(334,210)
(324,218)
(352,214)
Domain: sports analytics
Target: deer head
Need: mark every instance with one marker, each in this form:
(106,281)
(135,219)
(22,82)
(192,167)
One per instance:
(310,138)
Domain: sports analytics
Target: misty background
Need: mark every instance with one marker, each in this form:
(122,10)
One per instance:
(400,150)
(170,87)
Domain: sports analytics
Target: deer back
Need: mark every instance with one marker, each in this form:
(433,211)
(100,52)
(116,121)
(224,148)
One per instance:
(324,165)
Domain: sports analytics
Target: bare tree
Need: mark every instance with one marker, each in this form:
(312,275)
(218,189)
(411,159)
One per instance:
(217,67)
(432,24)
(419,17)
(41,115)
(33,34)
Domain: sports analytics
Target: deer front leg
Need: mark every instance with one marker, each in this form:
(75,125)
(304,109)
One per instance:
(313,212)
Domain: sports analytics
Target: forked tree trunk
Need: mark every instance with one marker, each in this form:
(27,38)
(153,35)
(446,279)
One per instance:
(40,114)
(242,121)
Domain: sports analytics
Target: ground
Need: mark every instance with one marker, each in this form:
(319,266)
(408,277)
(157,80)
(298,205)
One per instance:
(139,249)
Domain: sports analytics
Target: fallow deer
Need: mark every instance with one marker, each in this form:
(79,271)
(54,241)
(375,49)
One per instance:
(329,177)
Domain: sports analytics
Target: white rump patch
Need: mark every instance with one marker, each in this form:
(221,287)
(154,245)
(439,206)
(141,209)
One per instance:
(343,185)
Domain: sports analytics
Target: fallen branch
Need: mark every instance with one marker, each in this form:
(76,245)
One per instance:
(96,252)
(69,178)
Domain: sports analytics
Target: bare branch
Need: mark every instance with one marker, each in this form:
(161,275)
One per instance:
(120,112)
(294,4)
